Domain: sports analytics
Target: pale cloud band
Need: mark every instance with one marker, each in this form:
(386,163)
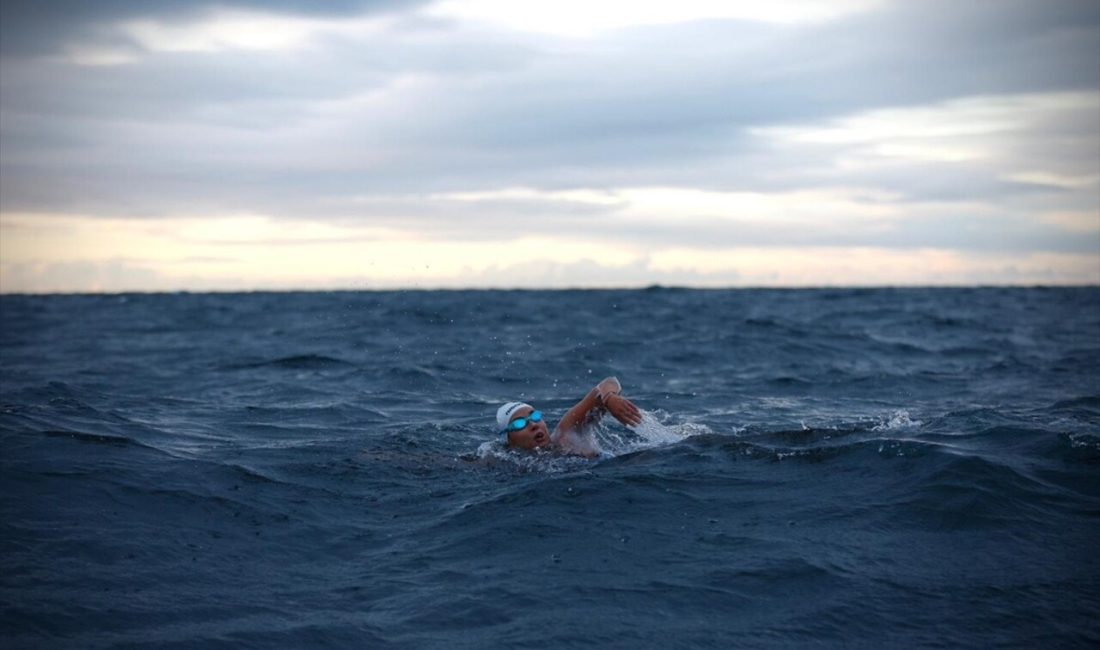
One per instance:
(464,144)
(66,253)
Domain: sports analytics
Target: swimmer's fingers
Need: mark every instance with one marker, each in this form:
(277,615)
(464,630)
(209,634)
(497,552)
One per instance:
(632,413)
(635,414)
(625,411)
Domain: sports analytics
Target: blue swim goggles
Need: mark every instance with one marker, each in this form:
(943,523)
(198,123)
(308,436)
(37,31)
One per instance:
(519,424)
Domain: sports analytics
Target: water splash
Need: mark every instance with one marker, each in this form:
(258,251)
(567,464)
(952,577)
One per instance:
(612,439)
(899,420)
(495,453)
(650,433)
(1084,441)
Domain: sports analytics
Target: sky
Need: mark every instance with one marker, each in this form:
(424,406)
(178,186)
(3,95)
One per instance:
(167,145)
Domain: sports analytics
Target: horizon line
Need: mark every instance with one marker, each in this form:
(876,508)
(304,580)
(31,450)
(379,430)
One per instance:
(649,287)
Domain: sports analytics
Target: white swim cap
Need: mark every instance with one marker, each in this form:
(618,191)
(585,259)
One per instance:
(504,413)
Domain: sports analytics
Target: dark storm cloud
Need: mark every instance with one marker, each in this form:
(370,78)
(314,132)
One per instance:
(30,27)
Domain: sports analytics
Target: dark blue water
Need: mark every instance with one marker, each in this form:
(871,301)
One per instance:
(833,468)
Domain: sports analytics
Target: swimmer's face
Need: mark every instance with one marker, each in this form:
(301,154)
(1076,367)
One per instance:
(532,436)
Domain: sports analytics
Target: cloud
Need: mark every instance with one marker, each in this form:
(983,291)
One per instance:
(28,27)
(68,253)
(706,126)
(78,277)
(579,18)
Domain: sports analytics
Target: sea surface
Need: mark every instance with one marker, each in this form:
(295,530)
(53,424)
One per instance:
(874,468)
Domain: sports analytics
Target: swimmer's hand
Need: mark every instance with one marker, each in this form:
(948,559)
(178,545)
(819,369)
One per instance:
(604,397)
(623,409)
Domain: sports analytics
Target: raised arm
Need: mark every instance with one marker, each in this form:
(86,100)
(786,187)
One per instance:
(605,396)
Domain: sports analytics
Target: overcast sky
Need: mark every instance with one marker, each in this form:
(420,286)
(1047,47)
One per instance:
(492,143)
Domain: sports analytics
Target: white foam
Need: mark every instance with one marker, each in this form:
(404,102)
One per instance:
(899,420)
(650,433)
(1083,441)
(496,453)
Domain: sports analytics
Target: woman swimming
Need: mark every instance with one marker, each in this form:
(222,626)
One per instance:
(526,428)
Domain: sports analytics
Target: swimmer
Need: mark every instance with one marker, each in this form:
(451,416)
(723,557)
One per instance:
(526,428)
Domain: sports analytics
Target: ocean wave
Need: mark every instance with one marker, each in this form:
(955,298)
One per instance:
(295,362)
(94,438)
(1088,403)
(963,492)
(345,476)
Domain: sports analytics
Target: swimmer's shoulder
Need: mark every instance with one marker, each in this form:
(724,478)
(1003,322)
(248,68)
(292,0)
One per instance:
(576,444)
